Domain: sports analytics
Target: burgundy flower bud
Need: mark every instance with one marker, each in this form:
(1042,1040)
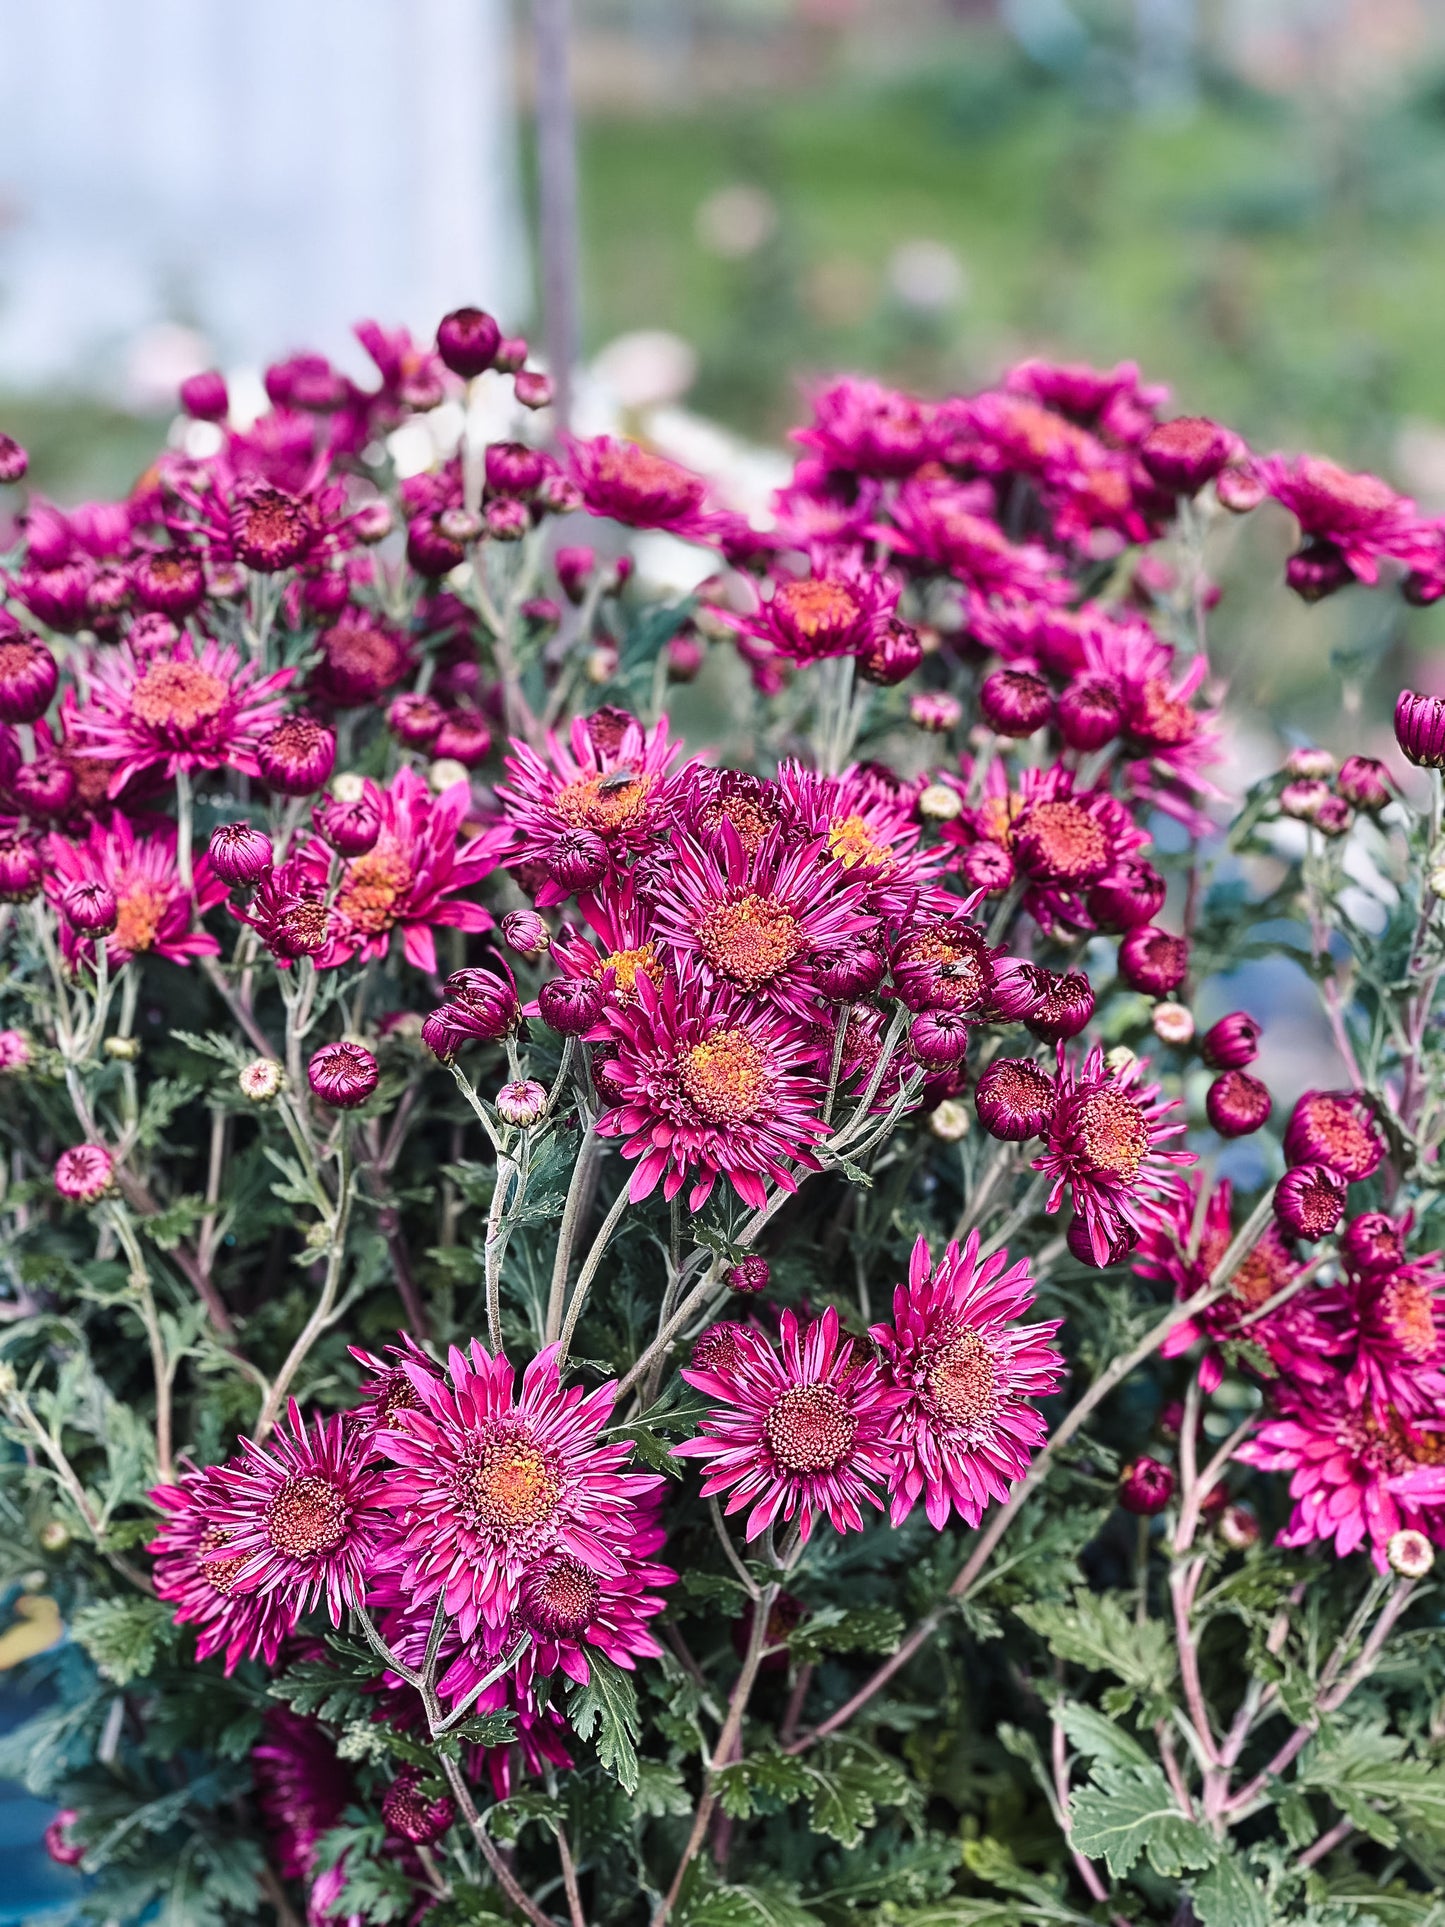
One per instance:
(1308,760)
(684,657)
(108,593)
(1131,895)
(13,460)
(1317,570)
(296,756)
(1420,729)
(467,342)
(511,354)
(748,1275)
(1183,454)
(1372,1242)
(851,971)
(84,1173)
(988,866)
(1015,703)
(574,568)
(482,1004)
(90,908)
(1152,961)
(204,397)
(1145,1487)
(522,1102)
(559,495)
(171,583)
(372,521)
(64,1851)
(515,469)
(542,612)
(240,853)
(891,657)
(1231,1043)
(1018,988)
(938,1039)
(1303,798)
(532,388)
(1336,1128)
(352,826)
(577,859)
(440,1034)
(1014,1099)
(524,932)
(1309,1201)
(1064,1007)
(1238,488)
(21,866)
(343,1074)
(1090,713)
(1237,1104)
(506,518)
(1334,817)
(272,530)
(463,738)
(570,1005)
(430,551)
(408,1813)
(28,677)
(45,787)
(1364,782)
(415,720)
(1121,1239)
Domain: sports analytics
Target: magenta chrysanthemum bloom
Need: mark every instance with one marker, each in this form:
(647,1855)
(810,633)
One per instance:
(805,1431)
(632,485)
(871,831)
(489,1481)
(1335,1128)
(947,525)
(862,426)
(410,879)
(303,1516)
(196,706)
(607,784)
(83,1174)
(710,1084)
(811,618)
(304,1788)
(28,675)
(969,1370)
(1390,1326)
(153,912)
(296,755)
(343,1074)
(1104,1146)
(1359,517)
(196,1569)
(756,922)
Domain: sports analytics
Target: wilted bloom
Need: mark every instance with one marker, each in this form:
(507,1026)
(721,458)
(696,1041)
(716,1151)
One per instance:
(296,756)
(1309,1201)
(84,1173)
(1237,1104)
(1014,1099)
(28,677)
(1335,1128)
(970,1372)
(801,1432)
(1231,1043)
(1145,1486)
(523,1102)
(343,1074)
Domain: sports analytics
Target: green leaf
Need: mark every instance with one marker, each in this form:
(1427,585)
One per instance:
(1098,1738)
(836,1629)
(1363,1770)
(1129,1810)
(1095,1630)
(848,1781)
(660,1790)
(762,1782)
(991,1861)
(1229,1895)
(607,1706)
(752,1906)
(122,1636)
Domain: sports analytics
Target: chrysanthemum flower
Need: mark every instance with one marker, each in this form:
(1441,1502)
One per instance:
(303,1516)
(632,485)
(1104,1147)
(196,1571)
(487,1482)
(710,1084)
(304,1789)
(862,426)
(949,525)
(756,922)
(804,1431)
(1357,517)
(872,833)
(154,914)
(842,611)
(1337,1129)
(387,1387)
(195,706)
(1390,1327)
(410,879)
(969,1370)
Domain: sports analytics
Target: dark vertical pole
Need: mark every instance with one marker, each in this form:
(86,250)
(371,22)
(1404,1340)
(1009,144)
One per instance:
(557,196)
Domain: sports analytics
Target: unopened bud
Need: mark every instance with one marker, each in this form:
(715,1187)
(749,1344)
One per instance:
(523,1103)
(261,1080)
(939,803)
(949,1121)
(1173,1023)
(1119,1060)
(54,1535)
(124,1049)
(445,771)
(1410,1554)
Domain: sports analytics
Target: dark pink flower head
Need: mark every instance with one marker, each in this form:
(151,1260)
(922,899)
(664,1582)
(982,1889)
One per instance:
(969,1370)
(303,1788)
(862,426)
(467,341)
(271,530)
(1152,961)
(28,677)
(801,1431)
(351,824)
(1064,1007)
(22,866)
(196,1570)
(1231,1043)
(488,1480)
(944,524)
(190,706)
(1014,1098)
(288,913)
(842,613)
(750,1274)
(1420,729)
(1238,1104)
(1336,1128)
(343,1074)
(296,755)
(1364,782)
(1374,1242)
(1183,454)
(1132,894)
(386,1386)
(1390,1326)
(632,485)
(1105,1146)
(709,1084)
(240,853)
(944,963)
(204,397)
(13,460)
(1145,1486)
(871,832)
(1309,1201)
(1358,516)
(171,582)
(1015,703)
(411,1814)
(1065,839)
(154,913)
(361,657)
(85,1173)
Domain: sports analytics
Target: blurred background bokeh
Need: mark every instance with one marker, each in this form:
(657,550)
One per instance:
(1246,196)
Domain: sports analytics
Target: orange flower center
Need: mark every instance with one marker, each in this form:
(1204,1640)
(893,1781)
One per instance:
(809,1429)
(816,608)
(139,909)
(1163,719)
(963,1381)
(307,1516)
(625,465)
(604,804)
(178,695)
(751,939)
(372,886)
(1115,1133)
(1066,840)
(1407,1308)
(512,1486)
(219,1574)
(855,846)
(625,966)
(728,1078)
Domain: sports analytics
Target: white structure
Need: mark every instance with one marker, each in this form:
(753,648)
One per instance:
(263,172)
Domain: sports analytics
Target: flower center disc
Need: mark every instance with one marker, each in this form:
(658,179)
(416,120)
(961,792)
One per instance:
(219,1574)
(603,804)
(562,1597)
(138,913)
(1115,1133)
(809,1429)
(307,1516)
(854,845)
(963,1381)
(751,939)
(178,696)
(372,887)
(728,1077)
(648,480)
(1345,1144)
(1061,839)
(512,1487)
(1407,1307)
(626,965)
(815,608)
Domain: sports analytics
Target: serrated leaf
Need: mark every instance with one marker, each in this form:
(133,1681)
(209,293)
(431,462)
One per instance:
(1229,1895)
(1098,1738)
(1096,1630)
(1363,1770)
(122,1636)
(1126,1811)
(751,1906)
(837,1629)
(607,1706)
